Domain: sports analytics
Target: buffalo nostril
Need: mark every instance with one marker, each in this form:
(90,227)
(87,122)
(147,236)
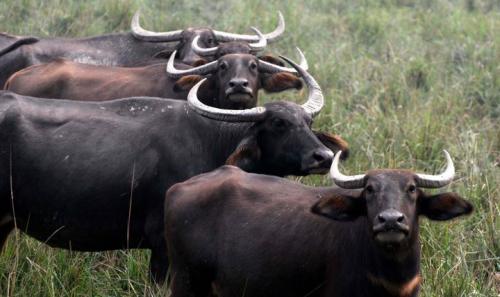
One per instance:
(320,156)
(390,217)
(238,82)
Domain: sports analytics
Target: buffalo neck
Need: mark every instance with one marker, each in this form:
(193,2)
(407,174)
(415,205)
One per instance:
(366,268)
(220,138)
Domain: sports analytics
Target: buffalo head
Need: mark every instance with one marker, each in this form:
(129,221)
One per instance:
(392,201)
(236,77)
(279,139)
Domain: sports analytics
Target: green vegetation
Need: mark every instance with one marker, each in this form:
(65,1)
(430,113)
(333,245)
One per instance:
(404,79)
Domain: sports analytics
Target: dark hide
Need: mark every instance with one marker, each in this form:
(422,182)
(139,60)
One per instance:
(63,79)
(77,167)
(121,49)
(9,43)
(255,235)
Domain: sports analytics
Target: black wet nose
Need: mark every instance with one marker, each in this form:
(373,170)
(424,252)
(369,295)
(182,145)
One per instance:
(390,216)
(238,82)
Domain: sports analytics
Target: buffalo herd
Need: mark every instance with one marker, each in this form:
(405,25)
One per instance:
(156,140)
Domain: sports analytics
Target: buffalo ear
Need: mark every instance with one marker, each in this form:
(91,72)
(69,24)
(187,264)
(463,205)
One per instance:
(340,207)
(247,155)
(185,83)
(199,62)
(445,206)
(334,143)
(164,54)
(281,81)
(272,60)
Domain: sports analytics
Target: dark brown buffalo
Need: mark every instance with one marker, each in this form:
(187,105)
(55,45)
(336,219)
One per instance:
(234,79)
(244,234)
(137,48)
(92,176)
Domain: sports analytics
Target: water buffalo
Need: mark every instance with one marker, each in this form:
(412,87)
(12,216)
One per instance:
(92,176)
(244,234)
(235,86)
(137,48)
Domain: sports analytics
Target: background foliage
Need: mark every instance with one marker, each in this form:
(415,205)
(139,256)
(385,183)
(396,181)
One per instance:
(404,79)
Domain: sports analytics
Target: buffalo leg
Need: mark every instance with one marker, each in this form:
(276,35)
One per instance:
(5,230)
(189,284)
(158,264)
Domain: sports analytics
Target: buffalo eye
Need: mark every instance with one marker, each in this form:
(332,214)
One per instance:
(223,66)
(253,65)
(369,189)
(278,124)
(412,189)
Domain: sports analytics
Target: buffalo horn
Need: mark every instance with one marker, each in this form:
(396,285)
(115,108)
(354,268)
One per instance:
(315,100)
(439,180)
(270,37)
(345,181)
(146,35)
(199,70)
(273,68)
(227,115)
(211,51)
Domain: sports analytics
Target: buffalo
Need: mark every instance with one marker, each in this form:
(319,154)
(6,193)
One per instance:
(92,176)
(136,48)
(244,234)
(233,84)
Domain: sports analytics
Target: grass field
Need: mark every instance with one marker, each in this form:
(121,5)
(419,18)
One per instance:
(404,80)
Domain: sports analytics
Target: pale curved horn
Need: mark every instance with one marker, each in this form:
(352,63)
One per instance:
(315,100)
(439,180)
(345,181)
(273,68)
(200,70)
(201,51)
(270,37)
(227,115)
(146,35)
(211,51)
(261,44)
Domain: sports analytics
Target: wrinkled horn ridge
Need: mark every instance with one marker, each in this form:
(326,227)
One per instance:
(200,70)
(228,115)
(345,181)
(146,35)
(439,180)
(315,100)
(270,37)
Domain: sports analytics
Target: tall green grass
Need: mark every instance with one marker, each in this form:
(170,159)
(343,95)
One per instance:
(404,79)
